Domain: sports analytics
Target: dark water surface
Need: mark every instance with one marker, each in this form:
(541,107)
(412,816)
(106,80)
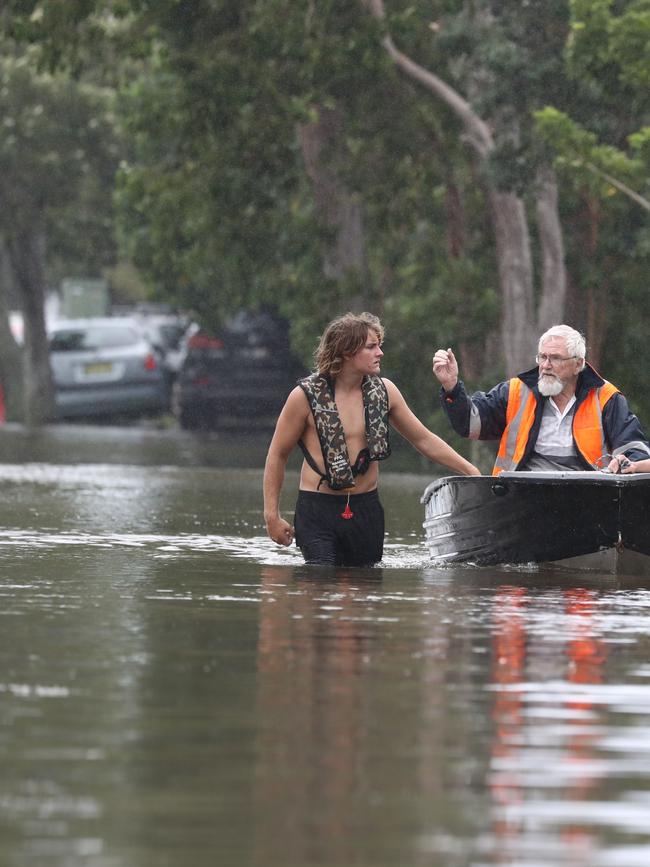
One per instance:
(176,690)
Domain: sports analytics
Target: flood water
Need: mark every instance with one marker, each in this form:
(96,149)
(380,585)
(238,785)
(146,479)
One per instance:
(177,690)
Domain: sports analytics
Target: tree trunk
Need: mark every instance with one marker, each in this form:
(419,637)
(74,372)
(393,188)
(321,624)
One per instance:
(554,279)
(471,355)
(11,366)
(27,256)
(515,278)
(597,295)
(340,211)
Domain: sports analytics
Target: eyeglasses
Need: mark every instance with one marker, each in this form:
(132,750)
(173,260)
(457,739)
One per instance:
(553,360)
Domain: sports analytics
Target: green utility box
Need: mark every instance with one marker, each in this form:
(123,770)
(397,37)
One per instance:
(84,297)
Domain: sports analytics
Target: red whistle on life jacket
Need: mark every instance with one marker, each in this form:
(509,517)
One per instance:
(347,513)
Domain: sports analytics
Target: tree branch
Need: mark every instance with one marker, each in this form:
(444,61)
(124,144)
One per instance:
(628,191)
(478,131)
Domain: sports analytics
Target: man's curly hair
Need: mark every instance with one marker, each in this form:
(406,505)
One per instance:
(344,336)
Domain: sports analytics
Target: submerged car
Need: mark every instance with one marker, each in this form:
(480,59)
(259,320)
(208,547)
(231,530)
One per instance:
(243,373)
(105,367)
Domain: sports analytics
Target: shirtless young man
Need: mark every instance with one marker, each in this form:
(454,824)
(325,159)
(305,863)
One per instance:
(339,416)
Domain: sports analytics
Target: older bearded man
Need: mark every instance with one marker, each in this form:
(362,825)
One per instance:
(561,415)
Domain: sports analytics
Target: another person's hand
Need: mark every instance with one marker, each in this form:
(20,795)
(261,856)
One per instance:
(280,531)
(445,368)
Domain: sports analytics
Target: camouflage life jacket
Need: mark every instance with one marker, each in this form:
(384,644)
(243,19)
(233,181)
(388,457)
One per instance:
(339,473)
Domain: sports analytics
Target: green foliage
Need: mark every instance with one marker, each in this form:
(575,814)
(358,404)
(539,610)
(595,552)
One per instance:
(70,34)
(611,41)
(578,148)
(57,162)
(212,187)
(588,48)
(640,144)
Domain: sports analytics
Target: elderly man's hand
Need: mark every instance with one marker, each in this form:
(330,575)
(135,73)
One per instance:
(445,368)
(621,464)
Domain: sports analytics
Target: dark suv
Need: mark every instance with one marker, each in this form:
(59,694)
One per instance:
(244,372)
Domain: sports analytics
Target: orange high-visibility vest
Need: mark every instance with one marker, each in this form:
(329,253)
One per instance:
(520,414)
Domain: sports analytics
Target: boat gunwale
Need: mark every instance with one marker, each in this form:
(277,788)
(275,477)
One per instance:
(552,477)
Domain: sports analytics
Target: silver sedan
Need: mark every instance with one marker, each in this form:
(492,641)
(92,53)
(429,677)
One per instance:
(105,366)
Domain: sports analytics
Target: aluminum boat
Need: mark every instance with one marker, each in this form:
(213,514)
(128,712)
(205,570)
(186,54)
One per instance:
(586,520)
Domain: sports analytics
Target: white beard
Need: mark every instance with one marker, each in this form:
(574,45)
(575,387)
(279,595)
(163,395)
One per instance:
(549,385)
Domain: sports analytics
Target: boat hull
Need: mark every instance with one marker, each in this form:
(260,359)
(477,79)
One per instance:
(587,519)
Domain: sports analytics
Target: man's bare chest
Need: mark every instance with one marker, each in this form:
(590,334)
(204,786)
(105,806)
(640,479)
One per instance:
(352,416)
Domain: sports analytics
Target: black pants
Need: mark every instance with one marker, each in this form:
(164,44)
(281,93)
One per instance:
(327,538)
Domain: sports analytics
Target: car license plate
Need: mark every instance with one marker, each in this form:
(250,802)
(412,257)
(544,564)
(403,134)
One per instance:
(98,368)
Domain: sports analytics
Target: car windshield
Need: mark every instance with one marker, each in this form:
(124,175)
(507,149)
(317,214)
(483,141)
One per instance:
(92,337)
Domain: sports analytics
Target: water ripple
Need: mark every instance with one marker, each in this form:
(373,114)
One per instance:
(257,548)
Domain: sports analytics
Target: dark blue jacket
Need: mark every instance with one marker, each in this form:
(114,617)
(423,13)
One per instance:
(483,415)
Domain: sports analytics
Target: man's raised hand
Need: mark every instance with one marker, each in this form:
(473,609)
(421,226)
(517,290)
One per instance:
(445,368)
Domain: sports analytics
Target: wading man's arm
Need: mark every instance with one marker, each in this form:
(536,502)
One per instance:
(288,430)
(425,441)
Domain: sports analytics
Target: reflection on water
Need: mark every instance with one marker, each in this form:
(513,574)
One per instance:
(312,653)
(176,689)
(560,785)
